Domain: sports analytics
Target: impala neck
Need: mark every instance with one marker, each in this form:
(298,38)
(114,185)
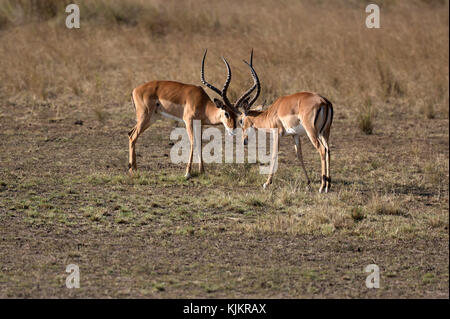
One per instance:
(212,113)
(259,118)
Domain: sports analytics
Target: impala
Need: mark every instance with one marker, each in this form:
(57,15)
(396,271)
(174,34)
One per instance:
(185,103)
(293,115)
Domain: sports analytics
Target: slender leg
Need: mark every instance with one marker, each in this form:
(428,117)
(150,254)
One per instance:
(131,150)
(274,159)
(201,169)
(142,124)
(327,189)
(190,131)
(321,149)
(324,141)
(298,150)
(322,152)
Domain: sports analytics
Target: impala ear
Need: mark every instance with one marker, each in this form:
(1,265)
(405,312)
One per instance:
(244,105)
(219,104)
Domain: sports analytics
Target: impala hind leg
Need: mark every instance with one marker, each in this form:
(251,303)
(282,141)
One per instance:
(321,149)
(324,141)
(142,124)
(298,150)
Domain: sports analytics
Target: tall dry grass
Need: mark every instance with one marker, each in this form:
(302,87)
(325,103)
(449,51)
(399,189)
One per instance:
(323,46)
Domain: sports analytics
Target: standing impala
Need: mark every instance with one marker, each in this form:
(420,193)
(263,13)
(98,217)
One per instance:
(185,103)
(295,115)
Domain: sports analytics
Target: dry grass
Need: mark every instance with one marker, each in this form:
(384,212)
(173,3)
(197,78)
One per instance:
(121,44)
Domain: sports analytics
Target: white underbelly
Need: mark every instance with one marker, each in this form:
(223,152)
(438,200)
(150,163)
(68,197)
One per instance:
(166,105)
(296,130)
(170,116)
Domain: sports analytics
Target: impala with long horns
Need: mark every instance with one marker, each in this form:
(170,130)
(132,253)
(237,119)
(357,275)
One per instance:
(185,103)
(303,113)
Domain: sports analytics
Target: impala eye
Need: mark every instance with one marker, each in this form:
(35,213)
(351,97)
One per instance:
(241,122)
(227,115)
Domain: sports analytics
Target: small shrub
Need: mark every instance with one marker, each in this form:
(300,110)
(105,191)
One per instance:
(389,83)
(428,278)
(357,213)
(385,205)
(435,172)
(386,209)
(429,112)
(427,109)
(159,286)
(100,114)
(255,202)
(365,121)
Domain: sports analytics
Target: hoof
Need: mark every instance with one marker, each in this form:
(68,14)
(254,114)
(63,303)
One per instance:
(323,190)
(187,176)
(265,185)
(131,168)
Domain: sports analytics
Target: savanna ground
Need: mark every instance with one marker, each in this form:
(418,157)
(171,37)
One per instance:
(66,196)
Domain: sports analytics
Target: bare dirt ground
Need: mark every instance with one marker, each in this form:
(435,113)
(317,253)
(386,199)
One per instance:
(66,198)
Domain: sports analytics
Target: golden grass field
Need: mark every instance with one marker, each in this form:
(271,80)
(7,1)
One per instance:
(66,196)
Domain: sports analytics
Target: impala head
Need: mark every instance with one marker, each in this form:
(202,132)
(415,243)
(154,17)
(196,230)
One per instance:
(245,119)
(227,116)
(227,112)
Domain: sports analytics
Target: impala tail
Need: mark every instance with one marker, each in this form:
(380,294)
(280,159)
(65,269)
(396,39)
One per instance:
(325,114)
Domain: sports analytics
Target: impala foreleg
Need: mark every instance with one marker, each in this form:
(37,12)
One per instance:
(190,131)
(273,160)
(201,169)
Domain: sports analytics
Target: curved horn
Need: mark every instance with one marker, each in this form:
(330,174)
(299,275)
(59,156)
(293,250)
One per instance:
(246,94)
(257,85)
(223,92)
(202,75)
(225,89)
(227,83)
